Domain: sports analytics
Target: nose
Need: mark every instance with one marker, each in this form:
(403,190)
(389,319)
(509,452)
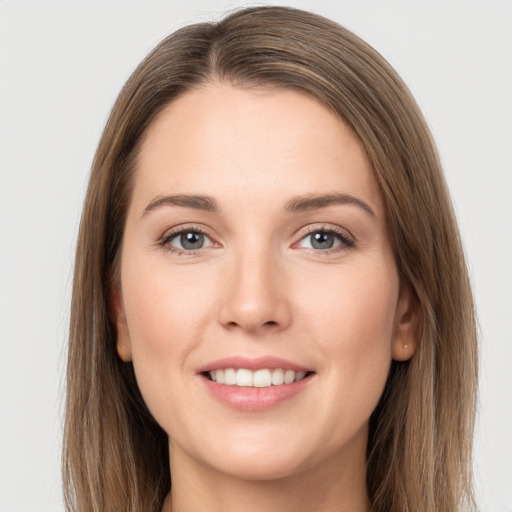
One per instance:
(255,295)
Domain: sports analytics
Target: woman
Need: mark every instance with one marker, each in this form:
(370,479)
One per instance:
(271,307)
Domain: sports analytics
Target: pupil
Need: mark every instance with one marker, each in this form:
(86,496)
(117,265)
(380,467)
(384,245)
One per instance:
(322,240)
(192,240)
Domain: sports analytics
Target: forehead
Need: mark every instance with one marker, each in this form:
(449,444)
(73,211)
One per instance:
(228,142)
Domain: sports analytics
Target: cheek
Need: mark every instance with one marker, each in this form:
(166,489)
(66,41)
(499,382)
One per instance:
(353,322)
(163,307)
(356,303)
(166,315)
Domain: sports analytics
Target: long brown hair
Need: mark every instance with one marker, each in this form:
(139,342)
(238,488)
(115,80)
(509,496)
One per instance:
(419,448)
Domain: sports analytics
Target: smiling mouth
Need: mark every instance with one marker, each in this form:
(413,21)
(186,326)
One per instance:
(262,378)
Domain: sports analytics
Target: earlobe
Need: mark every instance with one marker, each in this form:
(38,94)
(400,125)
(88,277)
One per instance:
(404,340)
(123,344)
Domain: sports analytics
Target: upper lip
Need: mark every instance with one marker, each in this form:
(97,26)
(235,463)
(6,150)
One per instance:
(253,364)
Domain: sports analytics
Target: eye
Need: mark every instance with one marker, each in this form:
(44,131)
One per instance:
(187,241)
(324,240)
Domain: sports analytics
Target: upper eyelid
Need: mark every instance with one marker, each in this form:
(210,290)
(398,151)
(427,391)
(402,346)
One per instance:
(329,228)
(184,228)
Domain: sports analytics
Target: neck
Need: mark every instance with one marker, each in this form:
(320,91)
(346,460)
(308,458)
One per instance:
(332,486)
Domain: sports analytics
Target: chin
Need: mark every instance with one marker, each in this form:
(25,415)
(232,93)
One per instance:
(261,468)
(265,458)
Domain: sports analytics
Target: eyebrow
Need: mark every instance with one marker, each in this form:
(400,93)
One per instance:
(296,204)
(197,202)
(315,202)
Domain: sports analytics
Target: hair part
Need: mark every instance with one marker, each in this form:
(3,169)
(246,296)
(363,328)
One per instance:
(419,450)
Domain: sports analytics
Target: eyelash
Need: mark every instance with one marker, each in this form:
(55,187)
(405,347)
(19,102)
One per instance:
(166,238)
(347,241)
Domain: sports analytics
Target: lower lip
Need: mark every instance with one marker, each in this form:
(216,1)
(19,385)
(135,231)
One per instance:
(255,399)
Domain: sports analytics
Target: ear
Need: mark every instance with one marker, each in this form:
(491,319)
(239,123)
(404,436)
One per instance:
(124,347)
(404,340)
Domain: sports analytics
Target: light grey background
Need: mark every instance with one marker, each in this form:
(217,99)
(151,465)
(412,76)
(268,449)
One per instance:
(61,67)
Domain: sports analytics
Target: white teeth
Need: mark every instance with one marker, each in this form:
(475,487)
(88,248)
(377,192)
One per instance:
(289,376)
(278,377)
(230,376)
(243,377)
(260,378)
(299,376)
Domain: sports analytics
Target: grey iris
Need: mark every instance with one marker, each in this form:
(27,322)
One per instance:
(192,240)
(321,240)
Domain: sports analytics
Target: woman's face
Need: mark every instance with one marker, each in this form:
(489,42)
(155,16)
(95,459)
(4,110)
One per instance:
(256,249)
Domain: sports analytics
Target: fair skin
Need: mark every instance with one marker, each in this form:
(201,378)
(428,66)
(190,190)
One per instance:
(259,271)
